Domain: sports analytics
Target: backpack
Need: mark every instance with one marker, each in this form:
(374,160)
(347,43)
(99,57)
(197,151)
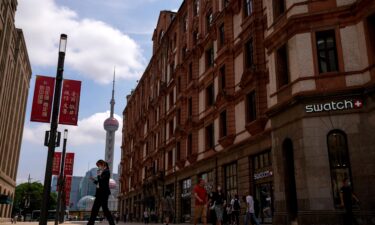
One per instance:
(236,205)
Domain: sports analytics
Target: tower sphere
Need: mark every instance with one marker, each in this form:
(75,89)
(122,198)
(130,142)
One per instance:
(111,124)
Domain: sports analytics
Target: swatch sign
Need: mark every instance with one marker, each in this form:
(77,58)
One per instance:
(334,106)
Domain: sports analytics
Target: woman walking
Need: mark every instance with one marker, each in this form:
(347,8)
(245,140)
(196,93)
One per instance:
(102,193)
(167,208)
(219,204)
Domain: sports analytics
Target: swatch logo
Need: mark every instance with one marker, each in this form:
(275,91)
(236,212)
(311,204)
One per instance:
(334,106)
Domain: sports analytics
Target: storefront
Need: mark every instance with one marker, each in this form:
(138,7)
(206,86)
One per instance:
(186,200)
(263,185)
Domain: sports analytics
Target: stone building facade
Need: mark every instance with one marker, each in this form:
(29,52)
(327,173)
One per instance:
(272,98)
(15,74)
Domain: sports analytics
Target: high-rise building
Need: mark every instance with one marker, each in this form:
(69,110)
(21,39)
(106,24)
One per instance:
(269,97)
(15,74)
(111,125)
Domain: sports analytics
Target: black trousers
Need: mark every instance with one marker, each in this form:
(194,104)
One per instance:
(101,201)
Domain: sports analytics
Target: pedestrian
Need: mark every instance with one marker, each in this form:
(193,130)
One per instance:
(346,197)
(167,207)
(146,216)
(236,209)
(228,214)
(211,217)
(250,211)
(117,218)
(219,202)
(200,197)
(102,193)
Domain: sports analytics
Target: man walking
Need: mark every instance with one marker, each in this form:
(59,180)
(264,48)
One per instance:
(346,197)
(250,212)
(201,197)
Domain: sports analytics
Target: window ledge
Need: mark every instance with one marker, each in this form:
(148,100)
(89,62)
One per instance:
(257,126)
(227,140)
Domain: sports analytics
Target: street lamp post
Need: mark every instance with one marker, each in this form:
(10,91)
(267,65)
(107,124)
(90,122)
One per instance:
(54,124)
(61,183)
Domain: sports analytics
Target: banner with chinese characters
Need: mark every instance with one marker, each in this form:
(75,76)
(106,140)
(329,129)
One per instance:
(56,163)
(70,102)
(69,163)
(68,188)
(42,100)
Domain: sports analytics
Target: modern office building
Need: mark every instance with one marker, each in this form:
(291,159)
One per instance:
(15,74)
(272,98)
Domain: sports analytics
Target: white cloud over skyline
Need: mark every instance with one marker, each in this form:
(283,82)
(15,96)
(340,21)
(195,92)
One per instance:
(93,49)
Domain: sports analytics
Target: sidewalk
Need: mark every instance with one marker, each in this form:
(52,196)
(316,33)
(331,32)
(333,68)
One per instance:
(84,223)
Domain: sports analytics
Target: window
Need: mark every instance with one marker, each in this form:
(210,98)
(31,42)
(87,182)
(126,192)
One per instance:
(371,30)
(190,72)
(196,7)
(210,136)
(184,23)
(178,150)
(183,52)
(327,52)
(278,8)
(178,85)
(210,57)
(170,159)
(225,3)
(221,35)
(209,19)
(223,123)
(249,54)
(210,95)
(248,7)
(190,107)
(171,128)
(230,178)
(222,81)
(251,109)
(282,68)
(171,70)
(195,37)
(178,116)
(171,99)
(339,162)
(190,144)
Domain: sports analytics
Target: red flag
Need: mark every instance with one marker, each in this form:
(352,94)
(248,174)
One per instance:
(70,102)
(56,163)
(42,100)
(69,163)
(68,185)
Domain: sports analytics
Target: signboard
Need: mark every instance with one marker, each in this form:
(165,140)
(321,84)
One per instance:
(334,106)
(68,188)
(69,163)
(42,100)
(263,174)
(70,102)
(56,163)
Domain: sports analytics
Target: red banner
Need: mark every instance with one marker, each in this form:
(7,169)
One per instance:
(42,100)
(70,102)
(69,163)
(68,188)
(56,163)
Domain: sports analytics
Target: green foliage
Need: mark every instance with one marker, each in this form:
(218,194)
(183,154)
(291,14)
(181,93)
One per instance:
(29,197)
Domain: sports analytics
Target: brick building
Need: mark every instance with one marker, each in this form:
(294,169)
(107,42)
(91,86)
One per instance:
(15,74)
(274,98)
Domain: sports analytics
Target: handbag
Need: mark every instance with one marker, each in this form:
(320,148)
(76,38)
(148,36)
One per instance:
(212,207)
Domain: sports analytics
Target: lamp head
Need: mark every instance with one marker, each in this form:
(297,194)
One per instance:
(63,41)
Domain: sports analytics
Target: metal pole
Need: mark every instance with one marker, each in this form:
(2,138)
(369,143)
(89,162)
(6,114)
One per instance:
(52,139)
(61,183)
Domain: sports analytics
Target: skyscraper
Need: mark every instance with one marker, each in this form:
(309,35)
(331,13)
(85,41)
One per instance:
(111,125)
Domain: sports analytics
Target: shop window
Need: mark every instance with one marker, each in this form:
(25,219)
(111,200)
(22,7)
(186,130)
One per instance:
(339,162)
(223,123)
(251,109)
(290,179)
(221,35)
(230,178)
(327,52)
(278,8)
(282,66)
(210,180)
(210,95)
(185,200)
(210,136)
(248,7)
(249,54)
(222,80)
(190,144)
(209,57)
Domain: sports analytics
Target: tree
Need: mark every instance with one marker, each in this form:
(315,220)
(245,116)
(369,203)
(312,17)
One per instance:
(28,197)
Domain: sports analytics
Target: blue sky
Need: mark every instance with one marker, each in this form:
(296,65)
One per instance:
(101,35)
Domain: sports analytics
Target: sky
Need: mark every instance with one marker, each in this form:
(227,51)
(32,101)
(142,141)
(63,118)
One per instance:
(101,35)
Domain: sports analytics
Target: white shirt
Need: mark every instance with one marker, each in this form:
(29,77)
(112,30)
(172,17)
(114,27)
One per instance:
(232,203)
(250,203)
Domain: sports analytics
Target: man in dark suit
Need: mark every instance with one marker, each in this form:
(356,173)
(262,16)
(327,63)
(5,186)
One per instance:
(102,193)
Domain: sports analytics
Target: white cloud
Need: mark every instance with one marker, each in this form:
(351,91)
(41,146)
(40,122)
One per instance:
(94,47)
(89,131)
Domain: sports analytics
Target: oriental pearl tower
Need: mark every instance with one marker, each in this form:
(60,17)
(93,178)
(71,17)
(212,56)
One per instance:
(111,125)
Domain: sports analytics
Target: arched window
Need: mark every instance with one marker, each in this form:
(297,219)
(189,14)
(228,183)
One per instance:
(339,161)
